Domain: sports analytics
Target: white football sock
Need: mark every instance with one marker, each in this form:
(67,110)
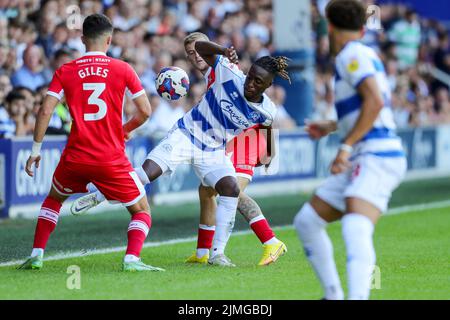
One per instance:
(357,231)
(91,187)
(37,252)
(131,258)
(142,175)
(201,252)
(273,240)
(225,215)
(319,250)
(99,196)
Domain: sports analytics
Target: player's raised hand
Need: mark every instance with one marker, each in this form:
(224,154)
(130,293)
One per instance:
(319,129)
(341,162)
(30,161)
(231,54)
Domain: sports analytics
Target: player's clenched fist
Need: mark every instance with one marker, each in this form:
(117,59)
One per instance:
(30,161)
(319,129)
(231,54)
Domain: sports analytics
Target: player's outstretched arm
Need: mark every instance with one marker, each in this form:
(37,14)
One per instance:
(209,50)
(143,112)
(43,118)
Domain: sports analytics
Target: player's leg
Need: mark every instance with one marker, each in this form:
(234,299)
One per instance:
(357,230)
(67,180)
(250,210)
(207,226)
(120,183)
(367,196)
(138,229)
(228,190)
(326,206)
(46,224)
(157,163)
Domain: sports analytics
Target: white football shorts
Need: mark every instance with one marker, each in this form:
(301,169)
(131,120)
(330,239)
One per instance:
(176,148)
(371,178)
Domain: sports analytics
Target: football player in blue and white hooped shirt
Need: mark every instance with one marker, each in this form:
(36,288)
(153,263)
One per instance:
(234,102)
(369,165)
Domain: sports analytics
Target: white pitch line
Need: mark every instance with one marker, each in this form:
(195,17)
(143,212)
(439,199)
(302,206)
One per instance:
(85,253)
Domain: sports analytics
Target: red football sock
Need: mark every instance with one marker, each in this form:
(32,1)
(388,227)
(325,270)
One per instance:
(138,228)
(262,229)
(205,236)
(47,220)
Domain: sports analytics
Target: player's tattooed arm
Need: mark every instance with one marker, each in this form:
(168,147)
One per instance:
(209,50)
(248,207)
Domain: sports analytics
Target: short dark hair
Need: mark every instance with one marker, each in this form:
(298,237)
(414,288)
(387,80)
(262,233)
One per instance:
(96,25)
(346,14)
(14,95)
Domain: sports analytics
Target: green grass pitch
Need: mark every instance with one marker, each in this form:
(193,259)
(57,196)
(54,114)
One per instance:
(412,254)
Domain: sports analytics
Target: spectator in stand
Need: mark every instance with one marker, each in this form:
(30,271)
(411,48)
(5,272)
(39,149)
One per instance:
(32,74)
(14,126)
(30,117)
(406,35)
(282,119)
(442,105)
(164,116)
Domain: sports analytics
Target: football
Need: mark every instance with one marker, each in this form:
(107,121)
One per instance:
(172,83)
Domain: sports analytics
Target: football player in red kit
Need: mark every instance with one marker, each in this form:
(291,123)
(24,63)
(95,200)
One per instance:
(94,87)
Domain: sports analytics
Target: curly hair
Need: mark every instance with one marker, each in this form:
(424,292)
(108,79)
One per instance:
(275,65)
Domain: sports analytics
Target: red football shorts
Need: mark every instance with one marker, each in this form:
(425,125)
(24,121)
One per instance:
(117,182)
(247,150)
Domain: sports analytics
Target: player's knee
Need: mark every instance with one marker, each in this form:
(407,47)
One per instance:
(54,195)
(304,219)
(228,187)
(152,170)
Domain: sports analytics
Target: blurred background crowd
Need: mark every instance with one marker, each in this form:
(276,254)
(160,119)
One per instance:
(36,37)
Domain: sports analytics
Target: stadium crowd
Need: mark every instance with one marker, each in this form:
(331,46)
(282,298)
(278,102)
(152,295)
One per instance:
(36,37)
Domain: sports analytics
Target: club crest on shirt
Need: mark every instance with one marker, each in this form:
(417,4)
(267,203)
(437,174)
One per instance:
(254,116)
(353,66)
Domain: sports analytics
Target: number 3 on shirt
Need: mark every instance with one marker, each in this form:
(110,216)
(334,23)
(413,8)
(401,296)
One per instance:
(98,88)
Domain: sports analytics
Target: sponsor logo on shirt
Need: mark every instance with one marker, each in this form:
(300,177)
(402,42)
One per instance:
(228,108)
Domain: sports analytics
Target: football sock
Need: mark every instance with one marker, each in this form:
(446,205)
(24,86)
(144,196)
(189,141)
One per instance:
(261,228)
(205,239)
(47,220)
(138,228)
(99,196)
(225,215)
(319,250)
(357,231)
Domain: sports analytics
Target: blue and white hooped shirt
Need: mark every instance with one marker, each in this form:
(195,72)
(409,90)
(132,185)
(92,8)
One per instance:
(224,112)
(354,64)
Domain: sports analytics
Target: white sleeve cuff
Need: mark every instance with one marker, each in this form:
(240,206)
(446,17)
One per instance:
(58,96)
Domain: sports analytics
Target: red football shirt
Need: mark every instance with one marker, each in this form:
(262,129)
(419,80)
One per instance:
(95,86)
